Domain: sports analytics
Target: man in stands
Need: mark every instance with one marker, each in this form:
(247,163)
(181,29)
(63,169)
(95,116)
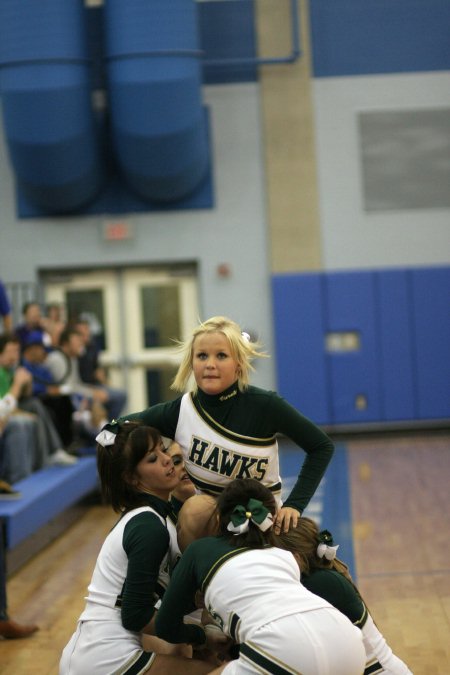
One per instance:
(95,401)
(18,431)
(55,397)
(32,322)
(49,444)
(91,371)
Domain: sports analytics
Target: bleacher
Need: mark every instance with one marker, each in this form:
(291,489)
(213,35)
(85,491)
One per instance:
(51,500)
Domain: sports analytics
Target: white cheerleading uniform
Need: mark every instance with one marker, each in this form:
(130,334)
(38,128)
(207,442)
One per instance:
(214,455)
(380,658)
(271,569)
(342,594)
(101,645)
(265,607)
(254,596)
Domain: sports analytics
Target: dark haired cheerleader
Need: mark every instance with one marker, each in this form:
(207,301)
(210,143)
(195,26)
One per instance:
(137,475)
(252,592)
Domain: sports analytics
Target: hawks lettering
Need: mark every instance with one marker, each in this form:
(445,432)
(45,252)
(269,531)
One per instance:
(212,463)
(198,450)
(226,462)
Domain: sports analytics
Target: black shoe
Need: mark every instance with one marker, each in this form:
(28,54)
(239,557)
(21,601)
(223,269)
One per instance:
(11,630)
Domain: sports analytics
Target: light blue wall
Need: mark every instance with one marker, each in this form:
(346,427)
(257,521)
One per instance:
(353,237)
(379,56)
(233,232)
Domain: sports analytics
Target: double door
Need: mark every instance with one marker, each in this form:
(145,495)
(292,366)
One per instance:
(136,316)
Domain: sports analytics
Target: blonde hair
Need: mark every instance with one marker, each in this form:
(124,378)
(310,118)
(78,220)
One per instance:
(241,347)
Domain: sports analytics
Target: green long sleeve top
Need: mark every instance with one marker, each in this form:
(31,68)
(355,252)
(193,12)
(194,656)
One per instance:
(198,560)
(145,541)
(258,413)
(334,587)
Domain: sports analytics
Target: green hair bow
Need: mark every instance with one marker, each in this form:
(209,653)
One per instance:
(255,511)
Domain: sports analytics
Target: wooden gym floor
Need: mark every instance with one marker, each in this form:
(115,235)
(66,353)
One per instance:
(400,513)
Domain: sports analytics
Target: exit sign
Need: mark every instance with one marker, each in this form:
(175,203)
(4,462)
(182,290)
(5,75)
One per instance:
(117,231)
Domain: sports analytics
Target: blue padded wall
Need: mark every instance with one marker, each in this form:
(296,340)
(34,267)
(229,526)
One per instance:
(299,338)
(402,365)
(350,306)
(396,342)
(431,321)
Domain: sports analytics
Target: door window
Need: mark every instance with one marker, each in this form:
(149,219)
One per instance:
(137,316)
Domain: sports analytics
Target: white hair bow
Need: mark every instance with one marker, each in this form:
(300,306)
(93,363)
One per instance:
(328,551)
(105,438)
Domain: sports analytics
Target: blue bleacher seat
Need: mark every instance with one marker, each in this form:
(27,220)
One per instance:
(44,495)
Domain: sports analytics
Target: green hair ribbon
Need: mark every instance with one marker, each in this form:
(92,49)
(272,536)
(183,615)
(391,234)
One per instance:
(255,511)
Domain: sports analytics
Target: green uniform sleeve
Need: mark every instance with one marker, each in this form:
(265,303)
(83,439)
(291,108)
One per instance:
(316,444)
(179,600)
(339,592)
(145,541)
(163,416)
